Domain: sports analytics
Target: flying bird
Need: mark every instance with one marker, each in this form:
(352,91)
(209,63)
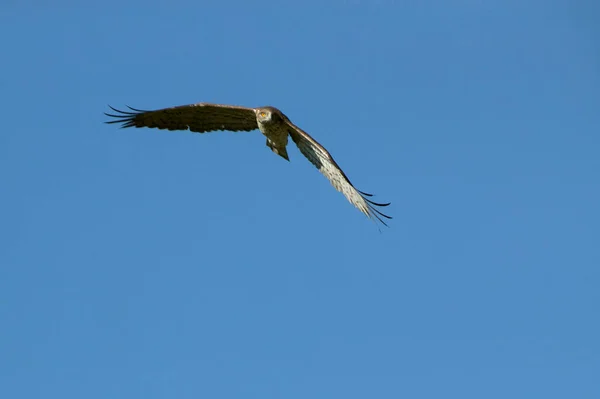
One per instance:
(205,117)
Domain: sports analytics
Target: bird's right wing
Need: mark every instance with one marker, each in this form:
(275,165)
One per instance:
(201,117)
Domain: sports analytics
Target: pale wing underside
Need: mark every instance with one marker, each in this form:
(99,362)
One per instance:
(201,117)
(320,157)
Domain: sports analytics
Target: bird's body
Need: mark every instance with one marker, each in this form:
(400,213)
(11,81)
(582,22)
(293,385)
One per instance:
(274,130)
(273,124)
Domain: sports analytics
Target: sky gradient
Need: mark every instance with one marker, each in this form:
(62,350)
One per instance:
(139,263)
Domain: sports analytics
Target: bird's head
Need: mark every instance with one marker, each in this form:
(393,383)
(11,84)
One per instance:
(263,115)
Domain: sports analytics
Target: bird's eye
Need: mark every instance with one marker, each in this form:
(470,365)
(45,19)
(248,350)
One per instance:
(263,114)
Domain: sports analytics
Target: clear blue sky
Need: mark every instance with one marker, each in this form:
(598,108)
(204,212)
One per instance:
(150,264)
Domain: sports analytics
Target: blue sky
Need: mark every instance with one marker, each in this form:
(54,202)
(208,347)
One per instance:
(149,264)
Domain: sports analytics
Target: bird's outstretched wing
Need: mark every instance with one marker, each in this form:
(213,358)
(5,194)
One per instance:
(201,117)
(322,159)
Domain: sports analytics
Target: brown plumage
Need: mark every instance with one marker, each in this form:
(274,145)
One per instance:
(205,117)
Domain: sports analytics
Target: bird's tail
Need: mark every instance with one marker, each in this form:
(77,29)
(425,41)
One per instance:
(279,150)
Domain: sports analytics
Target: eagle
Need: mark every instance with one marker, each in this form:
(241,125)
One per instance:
(274,125)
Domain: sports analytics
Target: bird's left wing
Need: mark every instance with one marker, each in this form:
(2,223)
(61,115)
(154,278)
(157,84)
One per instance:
(322,159)
(201,117)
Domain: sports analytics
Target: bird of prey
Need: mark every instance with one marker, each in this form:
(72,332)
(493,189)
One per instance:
(205,117)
